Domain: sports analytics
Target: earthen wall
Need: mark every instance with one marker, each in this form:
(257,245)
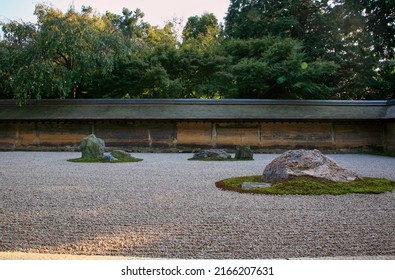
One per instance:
(190,135)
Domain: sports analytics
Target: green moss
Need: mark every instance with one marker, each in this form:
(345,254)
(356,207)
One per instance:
(100,160)
(311,186)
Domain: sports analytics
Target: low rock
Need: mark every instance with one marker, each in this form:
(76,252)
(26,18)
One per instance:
(254,185)
(109,157)
(306,163)
(214,154)
(244,153)
(92,147)
(120,154)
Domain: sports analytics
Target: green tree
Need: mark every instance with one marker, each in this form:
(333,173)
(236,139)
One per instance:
(368,45)
(358,35)
(198,71)
(274,67)
(201,30)
(5,70)
(384,81)
(14,48)
(156,36)
(307,20)
(163,68)
(303,49)
(62,54)
(373,18)
(130,23)
(142,72)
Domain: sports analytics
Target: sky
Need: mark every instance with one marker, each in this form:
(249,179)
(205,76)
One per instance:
(157,12)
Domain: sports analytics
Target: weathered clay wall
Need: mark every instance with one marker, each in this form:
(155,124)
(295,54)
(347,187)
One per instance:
(188,135)
(136,134)
(354,135)
(285,135)
(36,135)
(294,135)
(195,134)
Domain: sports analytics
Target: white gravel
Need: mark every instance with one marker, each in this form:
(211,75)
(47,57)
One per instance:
(169,207)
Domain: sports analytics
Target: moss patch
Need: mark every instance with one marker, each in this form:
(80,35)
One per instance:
(100,160)
(311,186)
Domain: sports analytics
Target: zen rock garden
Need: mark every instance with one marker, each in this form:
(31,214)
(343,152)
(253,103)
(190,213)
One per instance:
(303,172)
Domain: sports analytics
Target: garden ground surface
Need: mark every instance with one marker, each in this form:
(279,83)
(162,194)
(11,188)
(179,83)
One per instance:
(169,207)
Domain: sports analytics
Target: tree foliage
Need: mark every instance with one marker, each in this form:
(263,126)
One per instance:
(274,67)
(201,31)
(299,49)
(61,55)
(358,35)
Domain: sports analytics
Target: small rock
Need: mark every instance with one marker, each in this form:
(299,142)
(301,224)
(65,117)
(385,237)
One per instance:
(92,147)
(254,185)
(212,154)
(244,153)
(109,157)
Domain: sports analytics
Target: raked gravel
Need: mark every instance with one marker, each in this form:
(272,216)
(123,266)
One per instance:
(169,207)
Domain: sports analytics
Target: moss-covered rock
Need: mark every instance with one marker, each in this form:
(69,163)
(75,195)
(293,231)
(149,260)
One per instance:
(92,147)
(244,153)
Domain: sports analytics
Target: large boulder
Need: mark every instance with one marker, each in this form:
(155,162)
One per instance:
(212,154)
(306,163)
(92,147)
(244,153)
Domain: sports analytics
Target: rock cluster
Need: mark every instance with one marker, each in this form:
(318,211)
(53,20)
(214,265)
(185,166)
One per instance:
(242,153)
(305,163)
(214,154)
(93,148)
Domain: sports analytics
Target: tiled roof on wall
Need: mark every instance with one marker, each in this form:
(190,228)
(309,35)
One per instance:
(196,109)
